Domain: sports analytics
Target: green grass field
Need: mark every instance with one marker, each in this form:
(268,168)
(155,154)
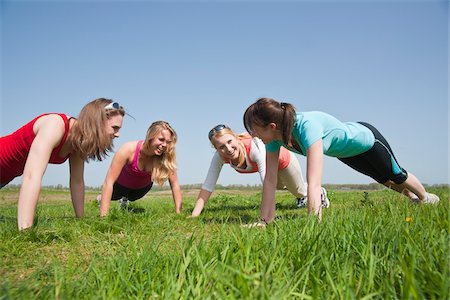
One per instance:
(369,246)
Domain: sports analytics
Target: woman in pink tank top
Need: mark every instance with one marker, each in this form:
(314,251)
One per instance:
(137,164)
(247,154)
(54,138)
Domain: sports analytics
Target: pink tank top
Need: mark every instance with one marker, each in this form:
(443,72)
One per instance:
(130,176)
(14,149)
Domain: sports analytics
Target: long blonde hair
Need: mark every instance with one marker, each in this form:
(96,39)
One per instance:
(88,136)
(164,165)
(227,130)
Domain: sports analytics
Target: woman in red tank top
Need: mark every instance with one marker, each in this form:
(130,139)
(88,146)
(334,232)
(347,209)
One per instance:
(137,164)
(54,138)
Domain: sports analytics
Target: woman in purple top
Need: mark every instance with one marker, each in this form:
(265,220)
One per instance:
(138,163)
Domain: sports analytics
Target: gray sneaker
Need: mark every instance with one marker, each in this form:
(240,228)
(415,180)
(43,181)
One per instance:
(123,203)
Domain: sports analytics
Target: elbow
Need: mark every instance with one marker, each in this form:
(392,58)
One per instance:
(77,182)
(314,185)
(108,183)
(270,182)
(30,176)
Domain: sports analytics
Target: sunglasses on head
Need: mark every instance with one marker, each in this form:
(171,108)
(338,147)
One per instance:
(116,106)
(112,106)
(216,129)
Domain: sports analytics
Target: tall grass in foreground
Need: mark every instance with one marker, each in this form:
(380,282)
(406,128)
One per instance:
(369,246)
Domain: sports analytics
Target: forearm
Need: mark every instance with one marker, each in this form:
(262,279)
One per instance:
(314,201)
(314,169)
(201,201)
(269,187)
(268,201)
(28,197)
(177,199)
(77,194)
(105,203)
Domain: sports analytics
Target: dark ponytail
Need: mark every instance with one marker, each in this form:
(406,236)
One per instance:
(287,122)
(267,110)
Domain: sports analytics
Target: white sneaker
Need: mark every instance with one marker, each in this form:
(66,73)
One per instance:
(123,203)
(325,202)
(324,198)
(431,199)
(99,200)
(259,224)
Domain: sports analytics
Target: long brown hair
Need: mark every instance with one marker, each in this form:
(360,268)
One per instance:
(267,110)
(88,136)
(228,130)
(164,165)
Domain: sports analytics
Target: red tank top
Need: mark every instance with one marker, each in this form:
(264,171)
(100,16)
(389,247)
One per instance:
(284,159)
(131,176)
(283,162)
(247,141)
(14,149)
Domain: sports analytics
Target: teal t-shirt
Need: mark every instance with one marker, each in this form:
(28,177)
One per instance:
(340,139)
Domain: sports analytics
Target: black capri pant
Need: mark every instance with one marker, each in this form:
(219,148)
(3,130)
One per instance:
(378,162)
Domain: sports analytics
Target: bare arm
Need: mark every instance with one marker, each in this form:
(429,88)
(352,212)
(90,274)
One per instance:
(77,184)
(176,191)
(211,179)
(202,199)
(49,132)
(314,169)
(120,159)
(269,187)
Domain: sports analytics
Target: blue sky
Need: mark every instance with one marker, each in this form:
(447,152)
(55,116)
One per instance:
(198,64)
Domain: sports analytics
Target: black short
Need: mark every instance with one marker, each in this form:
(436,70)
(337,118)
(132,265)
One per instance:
(120,191)
(378,162)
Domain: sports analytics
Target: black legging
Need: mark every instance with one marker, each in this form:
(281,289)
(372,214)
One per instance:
(120,191)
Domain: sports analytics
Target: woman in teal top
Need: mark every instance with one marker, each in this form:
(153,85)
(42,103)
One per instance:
(313,134)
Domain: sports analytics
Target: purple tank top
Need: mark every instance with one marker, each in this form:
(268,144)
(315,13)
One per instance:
(130,176)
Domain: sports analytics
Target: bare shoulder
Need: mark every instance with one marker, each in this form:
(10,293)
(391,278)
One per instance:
(127,149)
(52,119)
(49,123)
(173,176)
(129,146)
